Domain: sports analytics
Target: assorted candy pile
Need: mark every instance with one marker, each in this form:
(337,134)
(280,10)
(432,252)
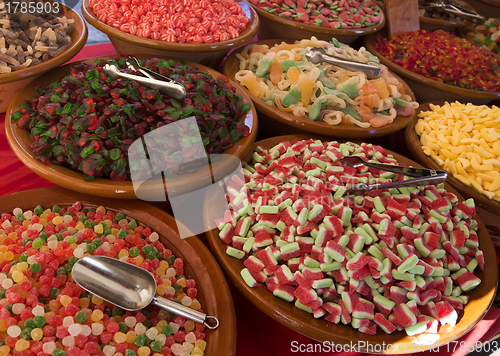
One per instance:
(485,35)
(188,21)
(87,121)
(443,57)
(336,14)
(44,312)
(389,259)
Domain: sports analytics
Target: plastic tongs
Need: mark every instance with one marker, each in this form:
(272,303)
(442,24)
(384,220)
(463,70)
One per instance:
(318,54)
(151,80)
(453,8)
(421,176)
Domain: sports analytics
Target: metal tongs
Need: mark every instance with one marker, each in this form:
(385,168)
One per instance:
(453,8)
(318,54)
(421,176)
(151,80)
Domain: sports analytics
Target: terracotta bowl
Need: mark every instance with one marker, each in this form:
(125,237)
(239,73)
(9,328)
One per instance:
(213,292)
(278,122)
(65,177)
(209,54)
(426,89)
(272,26)
(318,329)
(487,8)
(12,83)
(413,143)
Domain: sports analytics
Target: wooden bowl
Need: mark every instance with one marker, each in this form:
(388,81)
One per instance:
(103,187)
(413,143)
(318,329)
(12,83)
(427,89)
(487,8)
(272,26)
(280,122)
(209,54)
(213,292)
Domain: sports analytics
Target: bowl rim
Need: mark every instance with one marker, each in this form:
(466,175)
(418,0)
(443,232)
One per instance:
(368,43)
(103,186)
(413,143)
(214,290)
(319,128)
(77,44)
(247,34)
(324,30)
(288,315)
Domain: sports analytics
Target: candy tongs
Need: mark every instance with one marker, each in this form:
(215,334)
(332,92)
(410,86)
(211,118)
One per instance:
(151,80)
(421,176)
(318,54)
(453,8)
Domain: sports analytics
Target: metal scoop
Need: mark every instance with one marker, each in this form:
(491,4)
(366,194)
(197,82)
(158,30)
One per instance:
(318,54)
(422,176)
(129,287)
(453,8)
(164,85)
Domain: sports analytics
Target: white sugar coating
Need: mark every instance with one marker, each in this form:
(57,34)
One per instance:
(109,350)
(118,354)
(28,215)
(24,234)
(188,347)
(7,283)
(124,258)
(154,237)
(97,328)
(68,341)
(71,229)
(67,218)
(123,222)
(74,329)
(111,238)
(17,308)
(52,244)
(78,252)
(130,321)
(17,211)
(176,349)
(31,259)
(175,326)
(152,333)
(49,347)
(3,277)
(106,246)
(68,321)
(52,238)
(38,310)
(140,328)
(190,337)
(186,301)
(185,354)
(86,330)
(38,227)
(170,272)
(6,224)
(14,331)
(169,290)
(161,338)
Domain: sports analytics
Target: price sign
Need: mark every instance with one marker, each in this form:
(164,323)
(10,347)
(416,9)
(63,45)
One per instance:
(402,16)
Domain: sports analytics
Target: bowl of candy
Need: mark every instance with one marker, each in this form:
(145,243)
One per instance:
(473,172)
(295,86)
(35,43)
(440,66)
(292,256)
(105,134)
(486,35)
(344,20)
(202,32)
(74,226)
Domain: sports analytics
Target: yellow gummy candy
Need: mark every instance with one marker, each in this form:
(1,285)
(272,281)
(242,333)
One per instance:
(307,85)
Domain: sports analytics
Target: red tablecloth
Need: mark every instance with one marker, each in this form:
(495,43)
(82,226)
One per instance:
(258,334)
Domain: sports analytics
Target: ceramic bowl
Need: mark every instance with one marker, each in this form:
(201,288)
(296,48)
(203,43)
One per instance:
(272,26)
(12,83)
(275,122)
(426,89)
(318,329)
(209,54)
(213,292)
(413,143)
(65,177)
